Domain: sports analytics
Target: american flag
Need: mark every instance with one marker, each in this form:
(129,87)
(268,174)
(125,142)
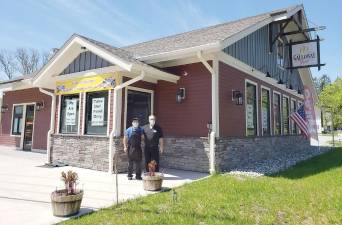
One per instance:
(299,118)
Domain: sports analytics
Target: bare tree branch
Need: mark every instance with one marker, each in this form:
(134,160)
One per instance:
(8,63)
(28,60)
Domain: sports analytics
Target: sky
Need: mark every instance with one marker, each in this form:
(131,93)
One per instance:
(47,24)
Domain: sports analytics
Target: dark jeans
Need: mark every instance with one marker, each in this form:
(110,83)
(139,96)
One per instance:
(137,168)
(151,153)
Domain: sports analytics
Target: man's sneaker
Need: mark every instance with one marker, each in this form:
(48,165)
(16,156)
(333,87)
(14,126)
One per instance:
(138,178)
(130,178)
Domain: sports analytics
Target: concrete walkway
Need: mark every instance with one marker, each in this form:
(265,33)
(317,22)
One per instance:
(25,187)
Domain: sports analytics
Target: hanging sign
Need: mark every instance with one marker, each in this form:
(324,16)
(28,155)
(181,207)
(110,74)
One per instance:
(70,112)
(305,54)
(87,84)
(250,117)
(310,112)
(97,111)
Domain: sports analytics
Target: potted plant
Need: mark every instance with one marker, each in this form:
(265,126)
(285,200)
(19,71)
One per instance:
(152,180)
(67,202)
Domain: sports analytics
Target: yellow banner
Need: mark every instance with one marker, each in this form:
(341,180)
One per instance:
(87,84)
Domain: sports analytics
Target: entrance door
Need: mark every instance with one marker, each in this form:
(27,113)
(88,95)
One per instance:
(138,105)
(28,129)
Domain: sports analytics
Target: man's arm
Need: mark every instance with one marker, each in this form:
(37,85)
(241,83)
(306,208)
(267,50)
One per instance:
(125,143)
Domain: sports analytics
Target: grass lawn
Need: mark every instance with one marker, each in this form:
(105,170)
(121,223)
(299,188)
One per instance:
(309,193)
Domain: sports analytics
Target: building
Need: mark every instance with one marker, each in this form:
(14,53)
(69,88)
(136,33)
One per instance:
(222,94)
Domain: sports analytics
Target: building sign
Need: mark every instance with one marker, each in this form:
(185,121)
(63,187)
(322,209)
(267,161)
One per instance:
(305,54)
(70,112)
(250,116)
(87,84)
(310,112)
(97,111)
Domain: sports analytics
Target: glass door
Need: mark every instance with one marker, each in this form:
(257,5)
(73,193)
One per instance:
(138,105)
(28,129)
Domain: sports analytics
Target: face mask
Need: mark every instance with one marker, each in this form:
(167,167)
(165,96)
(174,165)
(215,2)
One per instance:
(152,122)
(135,124)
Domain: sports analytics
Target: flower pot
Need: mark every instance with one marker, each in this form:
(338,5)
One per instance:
(152,183)
(66,205)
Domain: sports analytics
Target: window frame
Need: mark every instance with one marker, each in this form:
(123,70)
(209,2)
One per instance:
(280,113)
(280,62)
(291,121)
(270,109)
(288,113)
(86,111)
(60,114)
(257,107)
(23,118)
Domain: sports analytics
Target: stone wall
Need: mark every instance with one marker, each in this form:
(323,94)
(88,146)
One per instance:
(236,153)
(186,153)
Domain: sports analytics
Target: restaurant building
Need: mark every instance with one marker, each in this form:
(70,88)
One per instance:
(222,94)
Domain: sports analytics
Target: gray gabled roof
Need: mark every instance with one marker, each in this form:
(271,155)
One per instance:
(200,37)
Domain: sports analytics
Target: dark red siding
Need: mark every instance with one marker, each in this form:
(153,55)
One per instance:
(190,117)
(41,122)
(232,116)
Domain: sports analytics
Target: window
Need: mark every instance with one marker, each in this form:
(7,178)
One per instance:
(293,124)
(280,53)
(276,114)
(96,113)
(69,114)
(251,110)
(265,112)
(17,122)
(286,119)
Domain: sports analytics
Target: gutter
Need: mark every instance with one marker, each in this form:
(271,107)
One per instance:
(52,122)
(114,131)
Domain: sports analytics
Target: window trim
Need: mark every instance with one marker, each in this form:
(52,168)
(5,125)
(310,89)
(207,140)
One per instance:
(288,112)
(60,110)
(262,87)
(141,90)
(84,109)
(247,81)
(280,112)
(296,108)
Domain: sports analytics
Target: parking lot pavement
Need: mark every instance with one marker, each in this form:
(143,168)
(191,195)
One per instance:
(25,187)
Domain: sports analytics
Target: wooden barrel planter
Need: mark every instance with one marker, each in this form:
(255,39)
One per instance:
(66,205)
(153,183)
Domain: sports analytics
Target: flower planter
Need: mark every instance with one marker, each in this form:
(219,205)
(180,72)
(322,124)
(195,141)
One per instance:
(152,183)
(66,205)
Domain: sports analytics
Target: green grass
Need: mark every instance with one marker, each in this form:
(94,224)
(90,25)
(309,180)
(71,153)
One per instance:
(309,193)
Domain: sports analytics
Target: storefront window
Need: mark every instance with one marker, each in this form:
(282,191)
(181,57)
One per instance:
(17,122)
(251,110)
(293,124)
(276,114)
(96,113)
(266,128)
(69,114)
(286,121)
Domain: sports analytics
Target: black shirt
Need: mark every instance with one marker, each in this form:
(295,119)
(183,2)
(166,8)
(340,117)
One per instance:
(152,135)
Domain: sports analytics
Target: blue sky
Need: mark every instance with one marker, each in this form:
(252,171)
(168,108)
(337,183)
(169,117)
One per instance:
(47,24)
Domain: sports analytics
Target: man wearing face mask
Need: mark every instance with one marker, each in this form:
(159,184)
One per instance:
(153,137)
(132,146)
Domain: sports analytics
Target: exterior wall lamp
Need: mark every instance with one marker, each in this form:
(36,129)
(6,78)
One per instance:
(39,106)
(180,96)
(4,108)
(237,97)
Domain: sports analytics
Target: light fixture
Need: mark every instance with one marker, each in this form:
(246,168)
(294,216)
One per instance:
(4,108)
(180,95)
(299,91)
(291,87)
(40,105)
(280,82)
(83,48)
(268,74)
(237,96)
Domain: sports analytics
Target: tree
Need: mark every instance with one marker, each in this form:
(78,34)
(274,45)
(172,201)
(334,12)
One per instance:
(321,82)
(22,61)
(331,100)
(8,63)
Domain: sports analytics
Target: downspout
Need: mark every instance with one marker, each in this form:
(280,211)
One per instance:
(214,96)
(52,122)
(114,131)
